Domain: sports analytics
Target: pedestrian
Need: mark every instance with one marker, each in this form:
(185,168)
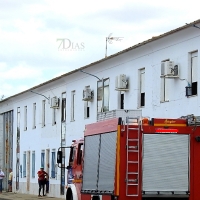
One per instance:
(1,179)
(10,180)
(41,180)
(47,183)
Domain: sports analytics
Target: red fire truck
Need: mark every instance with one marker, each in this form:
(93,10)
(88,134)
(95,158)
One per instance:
(136,159)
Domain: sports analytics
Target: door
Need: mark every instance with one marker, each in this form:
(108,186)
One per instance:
(47,161)
(28,171)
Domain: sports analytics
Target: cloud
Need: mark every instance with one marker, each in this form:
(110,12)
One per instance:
(29,31)
(21,71)
(3,66)
(9,89)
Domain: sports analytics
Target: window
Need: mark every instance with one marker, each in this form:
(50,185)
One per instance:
(72,154)
(20,172)
(53,116)
(18,117)
(193,71)
(86,103)
(42,159)
(80,154)
(121,100)
(142,88)
(53,164)
(86,109)
(18,126)
(24,164)
(72,105)
(47,160)
(25,118)
(43,113)
(63,112)
(34,115)
(164,96)
(33,164)
(103,95)
(164,89)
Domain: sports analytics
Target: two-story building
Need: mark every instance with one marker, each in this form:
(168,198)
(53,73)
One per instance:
(158,76)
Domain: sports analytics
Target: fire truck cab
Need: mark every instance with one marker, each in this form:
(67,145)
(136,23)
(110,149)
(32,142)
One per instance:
(135,158)
(74,168)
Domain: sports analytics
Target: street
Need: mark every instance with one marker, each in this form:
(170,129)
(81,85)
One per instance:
(18,196)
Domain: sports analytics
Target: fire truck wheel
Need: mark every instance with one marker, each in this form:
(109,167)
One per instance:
(69,195)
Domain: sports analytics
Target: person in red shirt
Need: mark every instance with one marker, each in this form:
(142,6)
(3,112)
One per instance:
(41,180)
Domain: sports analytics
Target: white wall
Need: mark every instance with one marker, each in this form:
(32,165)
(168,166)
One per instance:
(1,141)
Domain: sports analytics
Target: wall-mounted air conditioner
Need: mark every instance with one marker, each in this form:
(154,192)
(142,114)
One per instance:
(169,69)
(121,83)
(87,94)
(55,102)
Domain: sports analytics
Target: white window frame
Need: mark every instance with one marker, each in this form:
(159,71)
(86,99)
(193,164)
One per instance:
(24,164)
(141,88)
(43,158)
(193,72)
(33,164)
(103,95)
(34,115)
(43,112)
(53,116)
(121,101)
(53,163)
(164,90)
(63,107)
(18,117)
(18,122)
(86,107)
(73,93)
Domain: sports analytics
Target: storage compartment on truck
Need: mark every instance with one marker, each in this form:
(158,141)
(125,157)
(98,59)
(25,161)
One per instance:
(165,164)
(99,163)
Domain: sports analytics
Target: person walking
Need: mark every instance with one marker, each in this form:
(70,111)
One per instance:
(47,183)
(1,179)
(10,180)
(41,180)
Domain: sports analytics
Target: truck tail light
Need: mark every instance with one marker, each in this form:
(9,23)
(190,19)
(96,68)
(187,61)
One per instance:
(169,130)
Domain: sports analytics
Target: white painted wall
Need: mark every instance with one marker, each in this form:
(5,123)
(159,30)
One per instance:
(1,141)
(41,138)
(149,56)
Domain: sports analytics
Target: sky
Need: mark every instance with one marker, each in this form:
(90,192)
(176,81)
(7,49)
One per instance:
(43,39)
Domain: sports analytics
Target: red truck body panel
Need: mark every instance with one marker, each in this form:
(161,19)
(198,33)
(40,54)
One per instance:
(155,126)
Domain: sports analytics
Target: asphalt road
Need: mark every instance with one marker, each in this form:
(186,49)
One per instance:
(18,196)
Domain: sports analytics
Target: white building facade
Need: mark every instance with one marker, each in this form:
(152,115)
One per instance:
(159,76)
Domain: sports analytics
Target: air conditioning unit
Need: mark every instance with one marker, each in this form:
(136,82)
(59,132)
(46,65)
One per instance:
(55,102)
(121,82)
(87,94)
(169,69)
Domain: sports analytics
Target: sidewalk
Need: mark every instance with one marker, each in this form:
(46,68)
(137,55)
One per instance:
(19,196)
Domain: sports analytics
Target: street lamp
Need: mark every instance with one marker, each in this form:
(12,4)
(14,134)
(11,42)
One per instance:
(102,105)
(48,98)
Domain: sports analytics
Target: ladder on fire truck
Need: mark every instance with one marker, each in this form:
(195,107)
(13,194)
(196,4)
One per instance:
(132,154)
